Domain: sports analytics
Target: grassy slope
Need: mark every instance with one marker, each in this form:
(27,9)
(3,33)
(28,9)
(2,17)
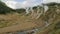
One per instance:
(15,19)
(51,28)
(53,20)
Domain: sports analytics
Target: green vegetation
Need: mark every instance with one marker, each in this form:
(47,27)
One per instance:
(4,9)
(56,29)
(53,17)
(22,10)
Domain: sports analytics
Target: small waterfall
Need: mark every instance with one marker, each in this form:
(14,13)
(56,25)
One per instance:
(45,8)
(46,22)
(27,10)
(32,12)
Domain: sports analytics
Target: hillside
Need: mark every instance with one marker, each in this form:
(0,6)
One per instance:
(17,20)
(35,22)
(4,9)
(53,15)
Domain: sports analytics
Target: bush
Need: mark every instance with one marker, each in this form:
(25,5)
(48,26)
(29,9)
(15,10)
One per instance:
(22,10)
(57,25)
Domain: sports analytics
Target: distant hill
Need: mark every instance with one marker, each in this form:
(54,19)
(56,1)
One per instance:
(4,9)
(52,3)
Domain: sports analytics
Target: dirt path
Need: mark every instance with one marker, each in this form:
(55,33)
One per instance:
(23,26)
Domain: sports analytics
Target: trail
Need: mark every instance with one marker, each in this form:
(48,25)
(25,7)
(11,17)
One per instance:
(20,27)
